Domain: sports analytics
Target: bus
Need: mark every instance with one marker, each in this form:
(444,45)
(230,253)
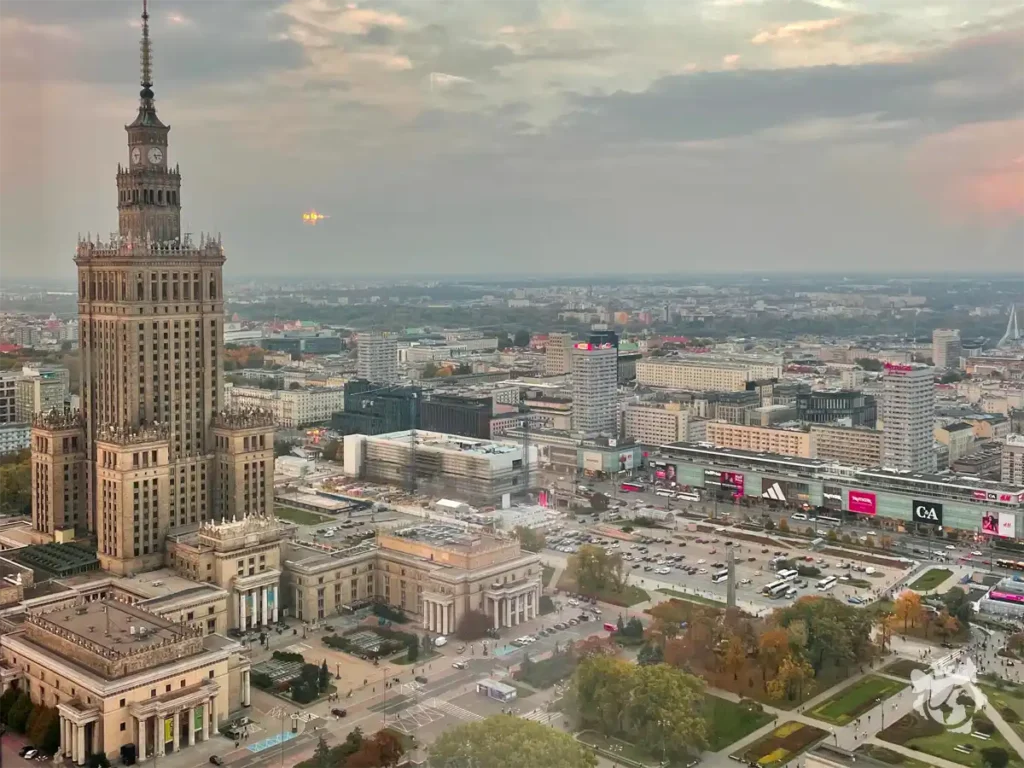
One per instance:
(787,576)
(832,521)
(665,492)
(1012,565)
(718,578)
(776,589)
(631,487)
(688,495)
(827,583)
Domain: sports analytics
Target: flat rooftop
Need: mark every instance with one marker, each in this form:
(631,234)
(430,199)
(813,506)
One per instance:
(447,537)
(114,625)
(445,442)
(56,560)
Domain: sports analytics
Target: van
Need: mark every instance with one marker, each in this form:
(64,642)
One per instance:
(790,592)
(440,641)
(609,627)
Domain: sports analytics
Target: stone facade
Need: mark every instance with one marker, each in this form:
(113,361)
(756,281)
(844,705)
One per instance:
(151,307)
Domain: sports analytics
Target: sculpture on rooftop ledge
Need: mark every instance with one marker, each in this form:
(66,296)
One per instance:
(57,418)
(127,434)
(244,418)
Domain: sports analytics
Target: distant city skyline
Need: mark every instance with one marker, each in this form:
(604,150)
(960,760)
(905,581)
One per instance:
(462,139)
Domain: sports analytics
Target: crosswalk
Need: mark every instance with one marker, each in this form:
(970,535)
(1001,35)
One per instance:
(541,716)
(452,709)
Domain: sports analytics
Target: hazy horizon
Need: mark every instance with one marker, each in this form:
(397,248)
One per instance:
(529,139)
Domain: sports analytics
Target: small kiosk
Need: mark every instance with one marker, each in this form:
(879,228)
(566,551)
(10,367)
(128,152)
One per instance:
(495,690)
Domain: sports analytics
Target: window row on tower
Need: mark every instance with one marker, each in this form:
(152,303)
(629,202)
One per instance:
(163,286)
(148,197)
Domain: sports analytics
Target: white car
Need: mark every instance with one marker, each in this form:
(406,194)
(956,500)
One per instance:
(574,602)
(978,554)
(664,571)
(459,664)
(950,547)
(744,581)
(701,561)
(703,570)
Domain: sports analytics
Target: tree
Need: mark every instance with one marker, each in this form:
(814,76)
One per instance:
(324,678)
(995,757)
(885,542)
(529,539)
(17,716)
(429,371)
(7,700)
(295,385)
(666,709)
(869,363)
(412,651)
(650,654)
(322,754)
(473,626)
(595,645)
(16,484)
(502,741)
(735,657)
(869,541)
(908,608)
(599,502)
(773,648)
(958,604)
(504,342)
(595,569)
(383,750)
(332,451)
(522,338)
(795,679)
(783,525)
(832,536)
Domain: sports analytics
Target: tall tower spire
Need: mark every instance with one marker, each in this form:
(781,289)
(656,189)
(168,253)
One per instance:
(146,94)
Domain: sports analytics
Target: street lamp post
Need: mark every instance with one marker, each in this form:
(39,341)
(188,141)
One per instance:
(281,713)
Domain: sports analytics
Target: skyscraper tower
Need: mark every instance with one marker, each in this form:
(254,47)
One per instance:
(595,377)
(155,451)
(908,414)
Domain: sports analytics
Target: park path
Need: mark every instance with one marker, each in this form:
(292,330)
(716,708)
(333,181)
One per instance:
(1004,728)
(940,762)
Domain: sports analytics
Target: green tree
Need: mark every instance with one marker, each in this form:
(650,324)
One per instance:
(10,696)
(666,710)
(522,338)
(995,757)
(17,717)
(322,754)
(324,678)
(958,604)
(529,539)
(595,569)
(16,484)
(508,742)
(599,502)
(412,651)
(473,626)
(383,750)
(650,654)
(429,371)
(869,363)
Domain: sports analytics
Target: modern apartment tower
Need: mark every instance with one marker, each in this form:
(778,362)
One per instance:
(152,449)
(908,410)
(946,348)
(595,376)
(378,357)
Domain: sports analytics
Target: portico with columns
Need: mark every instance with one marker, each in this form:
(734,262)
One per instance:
(177,720)
(438,613)
(257,599)
(80,731)
(509,605)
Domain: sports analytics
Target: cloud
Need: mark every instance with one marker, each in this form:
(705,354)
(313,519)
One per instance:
(797,31)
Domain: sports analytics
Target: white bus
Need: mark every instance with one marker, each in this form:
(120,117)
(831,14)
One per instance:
(827,583)
(718,578)
(688,495)
(665,492)
(776,588)
(787,576)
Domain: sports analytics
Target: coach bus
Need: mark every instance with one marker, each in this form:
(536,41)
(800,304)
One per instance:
(827,583)
(631,487)
(719,577)
(776,588)
(1013,565)
(787,576)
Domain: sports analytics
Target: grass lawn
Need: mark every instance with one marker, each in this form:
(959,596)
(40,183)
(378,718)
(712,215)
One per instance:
(546,573)
(299,516)
(905,668)
(889,757)
(1007,698)
(781,745)
(918,732)
(629,596)
(930,579)
(728,721)
(856,699)
(612,747)
(693,598)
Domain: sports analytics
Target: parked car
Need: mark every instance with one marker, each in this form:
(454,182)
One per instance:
(339,712)
(459,664)
(215,760)
(420,679)
(25,750)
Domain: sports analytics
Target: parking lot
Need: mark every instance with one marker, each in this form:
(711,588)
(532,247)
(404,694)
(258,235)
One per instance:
(688,561)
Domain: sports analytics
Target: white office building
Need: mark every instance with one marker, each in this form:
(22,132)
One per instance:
(378,357)
(908,408)
(946,348)
(595,376)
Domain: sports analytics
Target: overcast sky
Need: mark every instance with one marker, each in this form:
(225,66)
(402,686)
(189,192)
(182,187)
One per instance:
(495,136)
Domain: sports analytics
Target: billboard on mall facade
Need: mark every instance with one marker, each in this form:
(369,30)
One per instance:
(785,491)
(926,512)
(861,502)
(664,474)
(1001,524)
(730,482)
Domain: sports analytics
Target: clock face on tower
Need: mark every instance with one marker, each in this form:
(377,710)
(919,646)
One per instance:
(155,155)
(136,155)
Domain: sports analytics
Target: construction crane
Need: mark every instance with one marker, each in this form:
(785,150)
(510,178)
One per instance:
(524,411)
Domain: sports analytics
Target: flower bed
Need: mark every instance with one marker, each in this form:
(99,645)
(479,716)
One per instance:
(781,745)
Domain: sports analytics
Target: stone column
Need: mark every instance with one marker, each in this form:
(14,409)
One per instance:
(245,688)
(277,602)
(175,731)
(508,612)
(495,612)
(263,618)
(64,740)
(241,609)
(160,748)
(206,719)
(426,613)
(80,744)
(447,620)
(191,726)
(97,741)
(213,714)
(141,723)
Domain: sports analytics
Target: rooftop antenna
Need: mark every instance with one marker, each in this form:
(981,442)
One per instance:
(146,94)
